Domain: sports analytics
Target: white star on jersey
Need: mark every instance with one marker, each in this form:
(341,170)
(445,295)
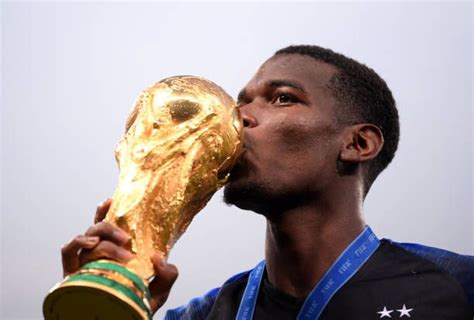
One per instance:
(404,311)
(385,313)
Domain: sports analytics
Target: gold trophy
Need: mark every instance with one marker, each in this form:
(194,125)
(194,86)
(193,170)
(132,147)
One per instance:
(182,138)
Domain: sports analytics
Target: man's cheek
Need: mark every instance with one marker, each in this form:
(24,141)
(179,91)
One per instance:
(295,137)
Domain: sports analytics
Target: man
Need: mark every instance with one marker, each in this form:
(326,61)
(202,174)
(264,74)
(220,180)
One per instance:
(318,129)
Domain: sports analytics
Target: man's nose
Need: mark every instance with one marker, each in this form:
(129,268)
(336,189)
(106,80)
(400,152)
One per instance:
(248,119)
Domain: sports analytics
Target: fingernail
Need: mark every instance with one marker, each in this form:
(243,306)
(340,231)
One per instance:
(158,259)
(126,255)
(93,239)
(162,262)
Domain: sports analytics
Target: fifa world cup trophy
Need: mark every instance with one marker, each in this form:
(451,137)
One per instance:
(182,138)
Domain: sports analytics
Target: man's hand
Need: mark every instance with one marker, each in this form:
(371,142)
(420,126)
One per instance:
(104,240)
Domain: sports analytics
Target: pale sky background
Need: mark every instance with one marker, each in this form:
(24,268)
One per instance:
(70,74)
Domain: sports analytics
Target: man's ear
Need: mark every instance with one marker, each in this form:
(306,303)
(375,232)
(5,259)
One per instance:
(362,142)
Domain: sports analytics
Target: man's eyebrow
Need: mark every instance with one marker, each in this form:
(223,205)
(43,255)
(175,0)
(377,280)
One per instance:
(286,83)
(242,96)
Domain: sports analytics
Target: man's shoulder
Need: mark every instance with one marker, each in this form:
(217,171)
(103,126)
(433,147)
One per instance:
(458,266)
(451,262)
(435,283)
(405,256)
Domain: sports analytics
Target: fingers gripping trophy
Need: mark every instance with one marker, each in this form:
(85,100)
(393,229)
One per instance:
(182,138)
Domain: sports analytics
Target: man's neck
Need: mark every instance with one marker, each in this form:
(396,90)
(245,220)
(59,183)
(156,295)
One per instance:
(302,244)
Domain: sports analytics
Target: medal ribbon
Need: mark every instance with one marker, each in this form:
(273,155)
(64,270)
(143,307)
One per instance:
(346,265)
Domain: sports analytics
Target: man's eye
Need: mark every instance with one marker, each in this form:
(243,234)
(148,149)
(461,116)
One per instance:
(284,98)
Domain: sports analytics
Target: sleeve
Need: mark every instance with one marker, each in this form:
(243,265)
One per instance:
(198,308)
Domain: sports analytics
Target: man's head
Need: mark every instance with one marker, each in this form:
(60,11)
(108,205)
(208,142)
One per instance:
(313,118)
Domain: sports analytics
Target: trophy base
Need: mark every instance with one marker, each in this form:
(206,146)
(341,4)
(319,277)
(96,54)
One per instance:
(88,295)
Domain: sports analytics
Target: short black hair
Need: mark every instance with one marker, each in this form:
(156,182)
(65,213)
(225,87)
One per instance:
(363,97)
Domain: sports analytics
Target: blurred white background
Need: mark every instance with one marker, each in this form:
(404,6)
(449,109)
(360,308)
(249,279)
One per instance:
(71,72)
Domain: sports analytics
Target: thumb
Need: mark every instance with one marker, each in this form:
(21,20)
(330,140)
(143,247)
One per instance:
(165,276)
(102,210)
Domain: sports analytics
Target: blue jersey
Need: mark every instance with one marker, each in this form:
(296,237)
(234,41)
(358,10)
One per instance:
(400,280)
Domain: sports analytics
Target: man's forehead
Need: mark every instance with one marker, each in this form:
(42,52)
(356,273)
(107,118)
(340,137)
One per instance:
(294,67)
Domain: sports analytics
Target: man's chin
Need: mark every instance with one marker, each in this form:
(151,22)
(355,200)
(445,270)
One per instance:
(260,198)
(249,196)
(240,194)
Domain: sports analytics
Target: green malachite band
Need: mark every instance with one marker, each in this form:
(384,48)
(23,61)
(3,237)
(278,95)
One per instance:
(111,284)
(120,269)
